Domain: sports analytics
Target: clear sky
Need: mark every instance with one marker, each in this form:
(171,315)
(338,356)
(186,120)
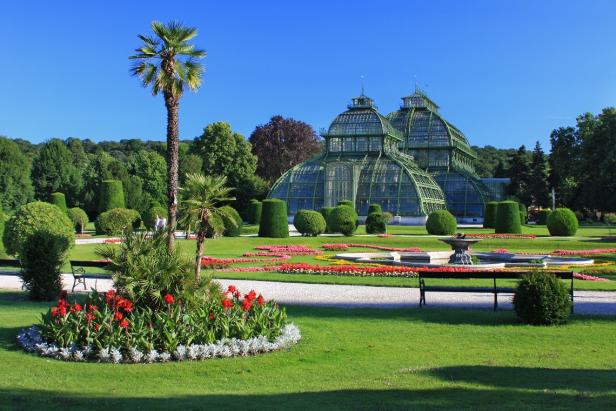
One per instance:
(505,72)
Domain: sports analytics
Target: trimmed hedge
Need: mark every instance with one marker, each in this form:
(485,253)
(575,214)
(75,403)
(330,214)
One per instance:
(79,218)
(562,222)
(325,212)
(116,221)
(42,257)
(33,217)
(542,299)
(112,196)
(508,218)
(542,216)
(309,223)
(232,221)
(489,214)
(343,219)
(347,203)
(2,222)
(441,222)
(523,213)
(59,201)
(375,208)
(215,227)
(254,211)
(274,221)
(376,223)
(149,216)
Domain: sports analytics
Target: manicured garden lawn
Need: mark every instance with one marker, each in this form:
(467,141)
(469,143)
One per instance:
(348,359)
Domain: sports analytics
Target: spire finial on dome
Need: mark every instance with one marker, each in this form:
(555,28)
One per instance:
(362,85)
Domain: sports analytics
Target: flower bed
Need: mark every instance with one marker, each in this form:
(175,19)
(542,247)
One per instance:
(344,247)
(561,252)
(292,250)
(212,262)
(112,241)
(586,277)
(353,270)
(505,236)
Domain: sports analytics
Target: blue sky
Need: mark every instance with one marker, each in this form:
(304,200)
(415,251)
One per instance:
(505,72)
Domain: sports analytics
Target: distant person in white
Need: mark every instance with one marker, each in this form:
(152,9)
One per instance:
(158,223)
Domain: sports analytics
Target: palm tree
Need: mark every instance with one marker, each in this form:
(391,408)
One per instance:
(203,198)
(167,63)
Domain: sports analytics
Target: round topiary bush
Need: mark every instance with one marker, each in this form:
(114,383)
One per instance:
(79,218)
(309,223)
(376,223)
(489,214)
(59,201)
(347,203)
(149,216)
(274,221)
(343,219)
(542,216)
(508,218)
(542,299)
(116,221)
(441,222)
(215,227)
(562,222)
(232,221)
(523,213)
(254,211)
(112,196)
(33,217)
(375,208)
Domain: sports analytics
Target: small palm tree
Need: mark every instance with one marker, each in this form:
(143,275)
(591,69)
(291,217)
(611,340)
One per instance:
(167,63)
(203,198)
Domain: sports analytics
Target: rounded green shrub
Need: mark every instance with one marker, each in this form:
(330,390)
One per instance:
(232,221)
(542,216)
(508,218)
(441,222)
(59,201)
(254,211)
(149,217)
(112,196)
(309,223)
(116,221)
(376,223)
(215,227)
(542,299)
(79,218)
(562,222)
(375,208)
(274,221)
(523,213)
(347,203)
(489,214)
(343,219)
(33,217)
(325,212)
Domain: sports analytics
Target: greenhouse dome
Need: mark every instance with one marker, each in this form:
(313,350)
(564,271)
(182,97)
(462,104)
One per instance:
(361,162)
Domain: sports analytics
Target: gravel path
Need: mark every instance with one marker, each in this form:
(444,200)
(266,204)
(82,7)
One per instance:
(356,296)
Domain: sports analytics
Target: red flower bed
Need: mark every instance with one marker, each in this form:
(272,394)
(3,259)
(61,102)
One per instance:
(356,270)
(211,262)
(494,235)
(288,249)
(112,240)
(344,247)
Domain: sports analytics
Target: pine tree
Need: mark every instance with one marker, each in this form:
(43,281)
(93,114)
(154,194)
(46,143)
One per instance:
(538,184)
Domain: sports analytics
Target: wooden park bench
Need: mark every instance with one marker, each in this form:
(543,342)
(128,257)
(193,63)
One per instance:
(10,262)
(80,275)
(487,275)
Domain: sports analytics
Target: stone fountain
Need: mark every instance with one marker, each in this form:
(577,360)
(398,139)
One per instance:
(460,245)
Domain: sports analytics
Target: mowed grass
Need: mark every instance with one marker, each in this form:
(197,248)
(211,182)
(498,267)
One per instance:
(366,359)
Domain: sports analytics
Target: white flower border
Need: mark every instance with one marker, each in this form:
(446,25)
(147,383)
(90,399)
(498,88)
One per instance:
(30,340)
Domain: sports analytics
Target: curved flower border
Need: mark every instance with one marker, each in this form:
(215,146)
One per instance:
(30,340)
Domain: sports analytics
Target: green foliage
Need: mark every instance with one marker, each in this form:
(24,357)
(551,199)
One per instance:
(376,223)
(325,212)
(388,217)
(151,169)
(508,218)
(609,218)
(254,211)
(492,161)
(309,223)
(343,219)
(562,222)
(489,214)
(523,213)
(274,221)
(112,196)
(232,221)
(519,173)
(15,185)
(542,299)
(247,189)
(215,227)
(538,185)
(34,217)
(116,221)
(375,208)
(2,223)
(542,216)
(54,170)
(441,222)
(149,217)
(59,201)
(347,203)
(79,218)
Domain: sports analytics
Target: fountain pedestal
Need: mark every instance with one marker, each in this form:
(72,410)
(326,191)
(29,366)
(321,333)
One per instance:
(460,247)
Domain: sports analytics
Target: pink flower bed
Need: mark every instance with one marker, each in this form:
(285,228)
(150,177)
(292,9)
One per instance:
(586,277)
(211,262)
(585,252)
(344,247)
(288,250)
(494,235)
(112,241)
(379,271)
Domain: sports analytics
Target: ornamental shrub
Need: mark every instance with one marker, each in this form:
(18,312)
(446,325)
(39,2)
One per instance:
(542,216)
(33,217)
(609,218)
(376,223)
(441,222)
(562,222)
(348,203)
(309,223)
(215,227)
(325,212)
(508,218)
(388,216)
(254,211)
(343,219)
(375,208)
(116,221)
(274,221)
(59,201)
(2,222)
(542,299)
(79,218)
(489,214)
(523,213)
(112,196)
(232,221)
(136,219)
(149,216)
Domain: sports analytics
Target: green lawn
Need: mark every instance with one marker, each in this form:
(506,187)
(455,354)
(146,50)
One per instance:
(365,359)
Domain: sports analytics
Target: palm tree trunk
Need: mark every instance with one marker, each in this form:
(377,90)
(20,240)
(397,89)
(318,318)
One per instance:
(172,104)
(200,246)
